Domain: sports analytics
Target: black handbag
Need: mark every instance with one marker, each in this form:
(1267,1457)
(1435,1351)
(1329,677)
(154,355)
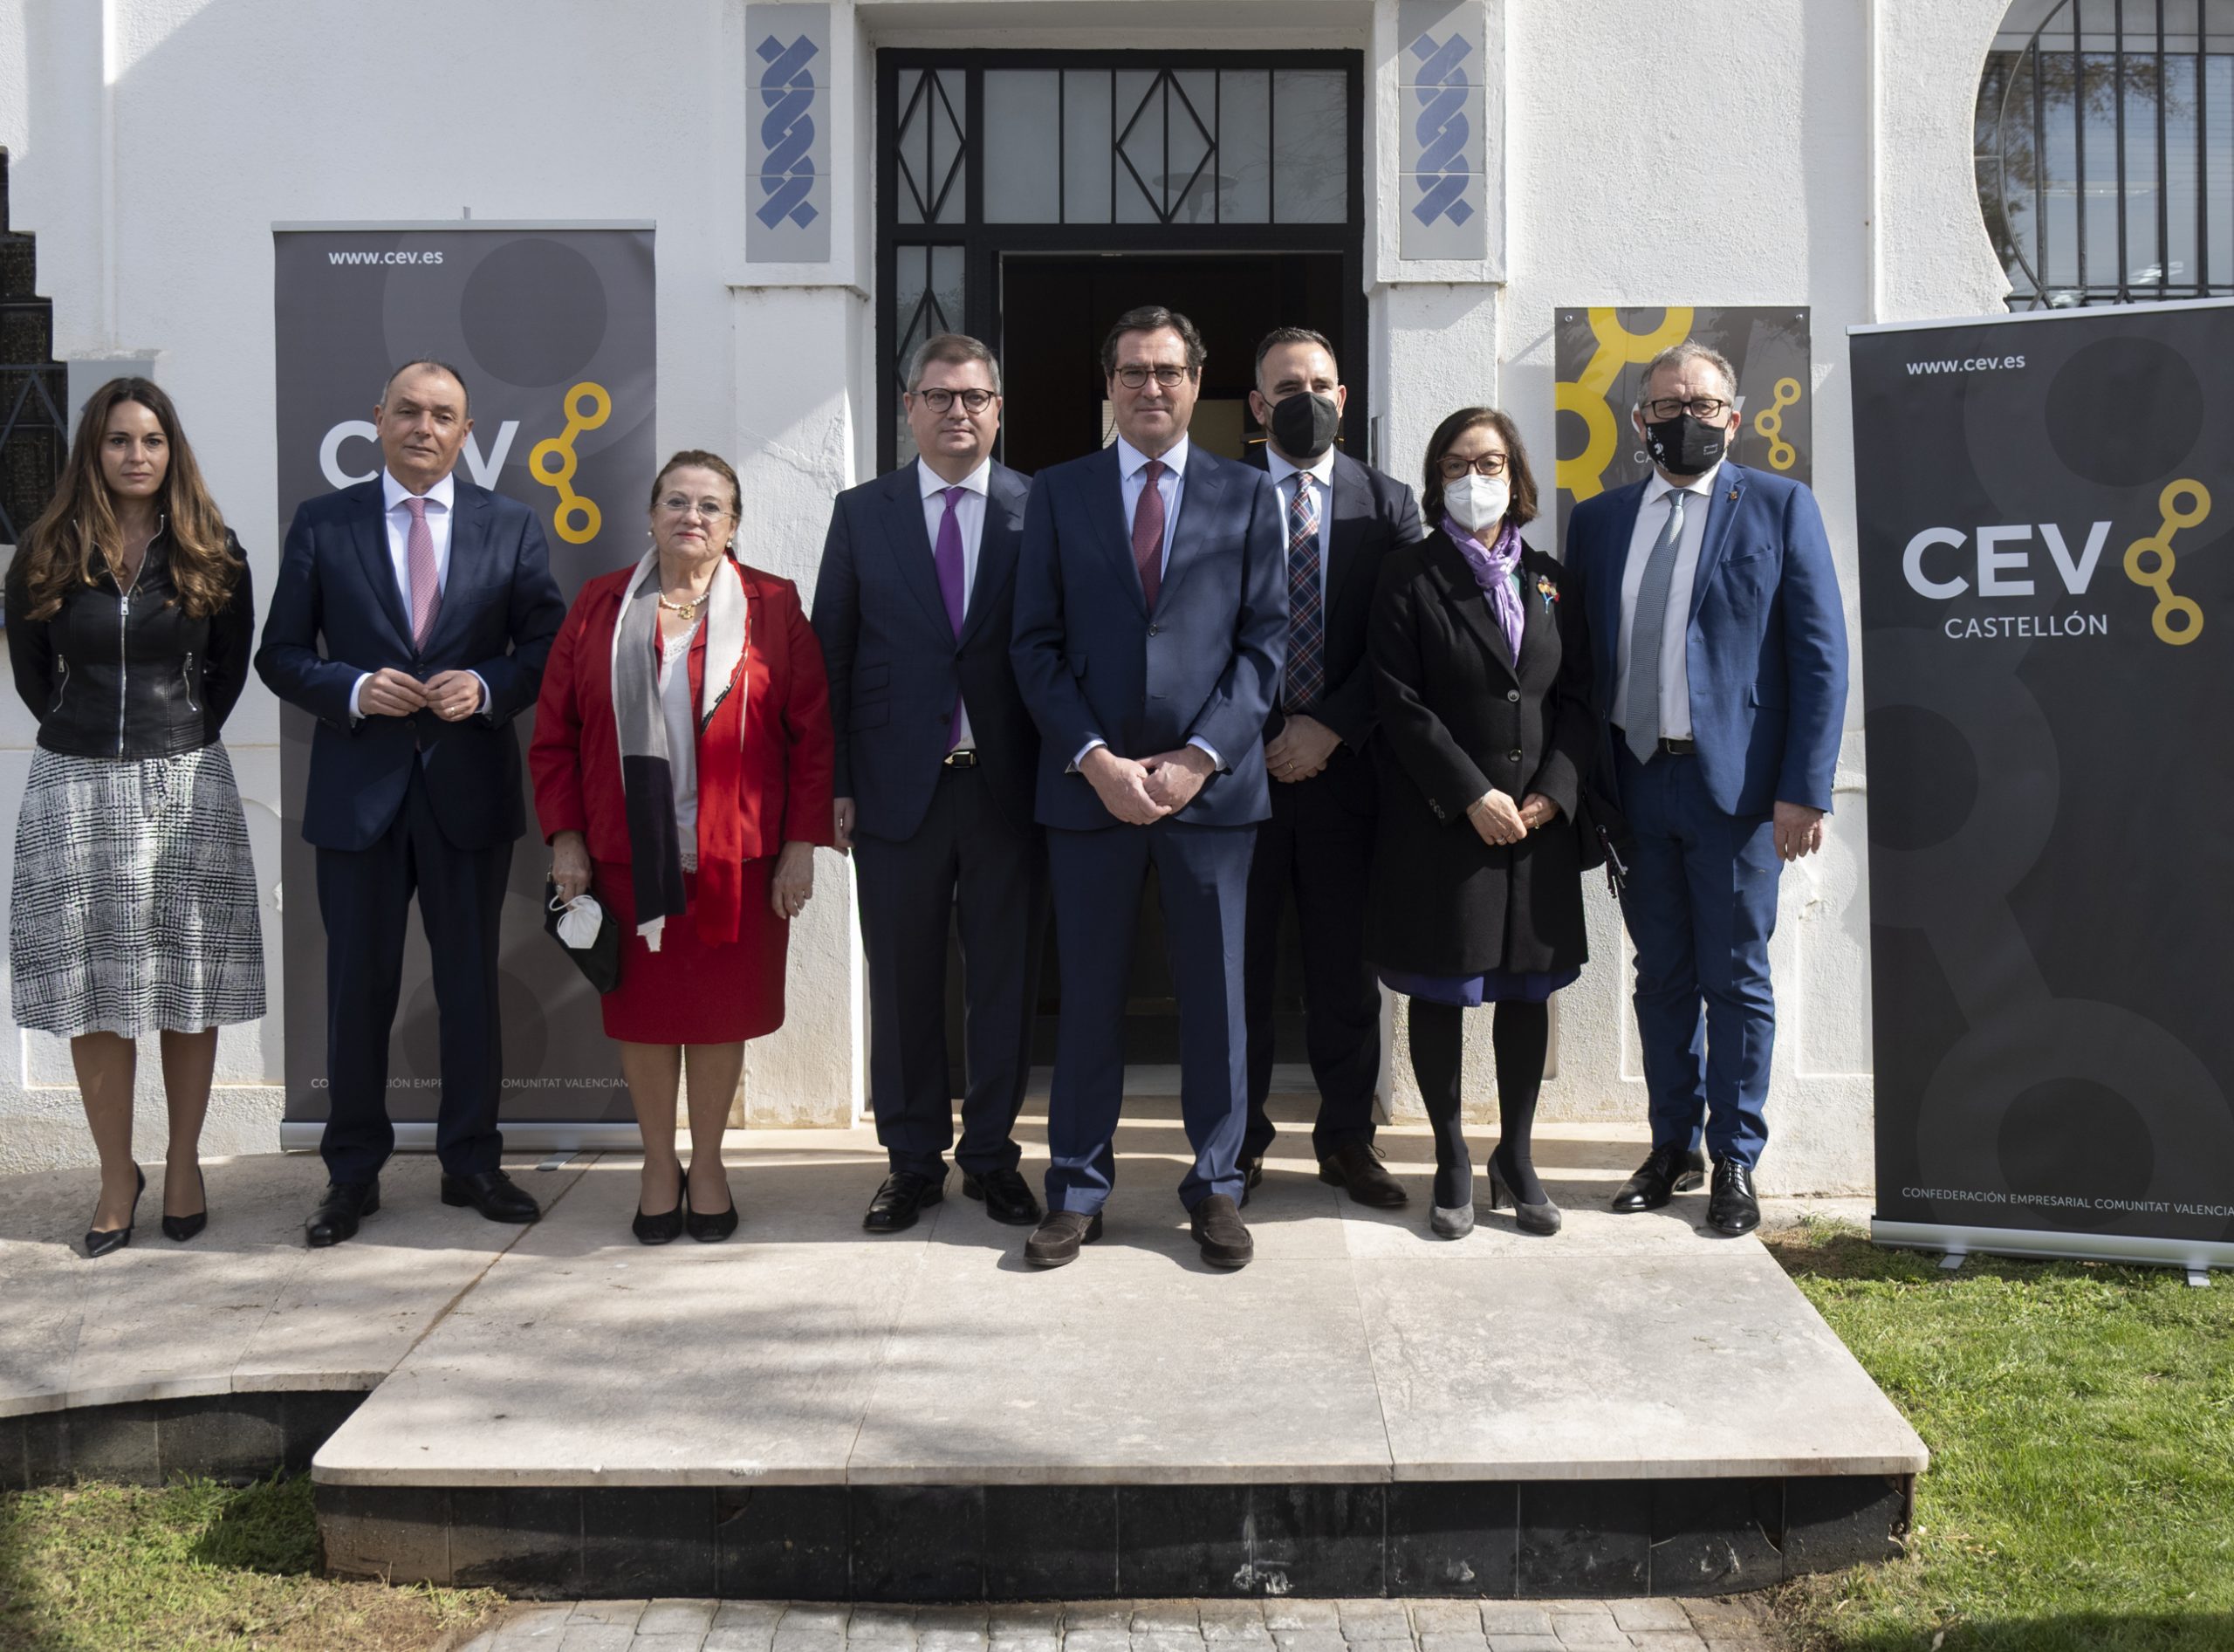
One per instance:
(600,962)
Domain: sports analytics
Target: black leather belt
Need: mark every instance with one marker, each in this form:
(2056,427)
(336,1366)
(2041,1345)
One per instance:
(1664,745)
(961,759)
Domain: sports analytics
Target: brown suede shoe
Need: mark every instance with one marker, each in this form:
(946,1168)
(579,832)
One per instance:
(1218,1227)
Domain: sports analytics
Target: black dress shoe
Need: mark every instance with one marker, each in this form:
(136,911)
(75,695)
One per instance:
(901,1199)
(492,1193)
(1732,1209)
(1056,1240)
(340,1208)
(182,1228)
(1225,1243)
(1356,1167)
(1007,1197)
(1666,1171)
(101,1241)
(1252,1172)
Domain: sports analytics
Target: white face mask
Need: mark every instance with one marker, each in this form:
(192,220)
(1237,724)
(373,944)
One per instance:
(1475,502)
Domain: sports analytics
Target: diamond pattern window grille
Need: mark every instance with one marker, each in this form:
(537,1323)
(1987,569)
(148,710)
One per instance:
(934,147)
(1163,129)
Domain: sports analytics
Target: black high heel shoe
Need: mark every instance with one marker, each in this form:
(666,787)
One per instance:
(182,1228)
(1531,1218)
(663,1228)
(101,1241)
(707,1229)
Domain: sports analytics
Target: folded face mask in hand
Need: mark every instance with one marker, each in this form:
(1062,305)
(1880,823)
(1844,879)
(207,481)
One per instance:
(583,917)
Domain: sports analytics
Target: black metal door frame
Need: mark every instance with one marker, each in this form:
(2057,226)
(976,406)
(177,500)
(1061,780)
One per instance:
(985,244)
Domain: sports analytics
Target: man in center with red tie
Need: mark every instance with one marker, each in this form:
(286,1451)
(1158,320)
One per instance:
(1151,624)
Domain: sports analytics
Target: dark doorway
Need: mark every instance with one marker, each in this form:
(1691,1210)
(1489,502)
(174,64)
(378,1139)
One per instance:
(1055,311)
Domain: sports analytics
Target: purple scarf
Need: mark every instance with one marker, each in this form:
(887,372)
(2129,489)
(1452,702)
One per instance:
(1493,566)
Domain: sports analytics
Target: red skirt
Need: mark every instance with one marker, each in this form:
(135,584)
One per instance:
(691,991)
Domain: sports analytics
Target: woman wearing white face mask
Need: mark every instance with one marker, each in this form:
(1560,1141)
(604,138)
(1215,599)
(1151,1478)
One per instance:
(1481,673)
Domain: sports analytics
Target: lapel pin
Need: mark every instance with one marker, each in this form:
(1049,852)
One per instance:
(1733,496)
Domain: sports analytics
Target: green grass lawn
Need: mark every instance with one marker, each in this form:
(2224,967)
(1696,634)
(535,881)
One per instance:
(2081,1419)
(109,1568)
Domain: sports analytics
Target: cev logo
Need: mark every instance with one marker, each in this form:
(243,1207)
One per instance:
(577,519)
(483,470)
(2150,563)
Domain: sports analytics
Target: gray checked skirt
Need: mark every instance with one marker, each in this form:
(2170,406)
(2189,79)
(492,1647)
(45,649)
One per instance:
(134,906)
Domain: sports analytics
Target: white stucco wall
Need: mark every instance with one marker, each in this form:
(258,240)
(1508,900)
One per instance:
(154,142)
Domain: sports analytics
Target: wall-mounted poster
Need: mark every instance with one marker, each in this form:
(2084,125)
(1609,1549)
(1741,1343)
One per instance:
(1599,356)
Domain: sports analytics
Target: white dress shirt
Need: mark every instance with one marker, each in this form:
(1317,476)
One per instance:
(969,516)
(1674,675)
(1133,481)
(1319,478)
(440,499)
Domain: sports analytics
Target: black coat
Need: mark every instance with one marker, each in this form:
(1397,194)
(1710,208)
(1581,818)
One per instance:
(1457,720)
(112,676)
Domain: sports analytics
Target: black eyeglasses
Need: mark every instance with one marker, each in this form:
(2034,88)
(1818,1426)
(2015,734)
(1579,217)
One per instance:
(1452,468)
(1133,377)
(1705,408)
(942,401)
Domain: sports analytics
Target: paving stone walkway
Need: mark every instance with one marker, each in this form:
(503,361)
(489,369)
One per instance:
(1740,1625)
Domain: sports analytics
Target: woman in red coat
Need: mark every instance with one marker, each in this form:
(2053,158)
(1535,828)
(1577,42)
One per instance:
(683,759)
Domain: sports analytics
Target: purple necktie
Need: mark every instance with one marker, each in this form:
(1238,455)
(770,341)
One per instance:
(948,555)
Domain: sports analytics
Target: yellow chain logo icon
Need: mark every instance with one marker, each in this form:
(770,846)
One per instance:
(1770,423)
(1583,476)
(2157,548)
(577,519)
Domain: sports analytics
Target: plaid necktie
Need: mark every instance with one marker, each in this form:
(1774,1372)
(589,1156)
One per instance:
(1306,668)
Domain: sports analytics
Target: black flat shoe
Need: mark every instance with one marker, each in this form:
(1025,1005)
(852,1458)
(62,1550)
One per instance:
(182,1228)
(657,1229)
(1220,1234)
(101,1241)
(1530,1218)
(1056,1240)
(1733,1209)
(1666,1171)
(900,1199)
(1355,1168)
(1007,1196)
(340,1208)
(494,1193)
(707,1229)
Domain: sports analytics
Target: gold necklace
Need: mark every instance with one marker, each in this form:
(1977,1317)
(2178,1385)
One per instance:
(688,610)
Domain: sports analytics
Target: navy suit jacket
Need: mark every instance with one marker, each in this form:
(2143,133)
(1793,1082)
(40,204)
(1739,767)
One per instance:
(336,613)
(1372,513)
(896,665)
(1766,652)
(1093,663)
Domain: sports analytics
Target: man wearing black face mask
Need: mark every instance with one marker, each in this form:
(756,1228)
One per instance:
(1718,651)
(1338,516)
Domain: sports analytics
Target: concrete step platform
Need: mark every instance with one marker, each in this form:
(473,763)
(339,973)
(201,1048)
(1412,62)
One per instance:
(810,1412)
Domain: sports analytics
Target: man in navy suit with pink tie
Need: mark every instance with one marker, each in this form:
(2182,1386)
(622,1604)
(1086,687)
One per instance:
(1151,625)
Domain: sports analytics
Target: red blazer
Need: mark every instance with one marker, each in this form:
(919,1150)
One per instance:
(575,756)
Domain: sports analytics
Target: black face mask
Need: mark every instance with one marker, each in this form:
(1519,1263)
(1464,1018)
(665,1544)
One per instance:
(1684,446)
(1303,425)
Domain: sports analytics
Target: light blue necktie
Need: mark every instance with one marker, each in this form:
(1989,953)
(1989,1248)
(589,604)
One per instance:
(1641,708)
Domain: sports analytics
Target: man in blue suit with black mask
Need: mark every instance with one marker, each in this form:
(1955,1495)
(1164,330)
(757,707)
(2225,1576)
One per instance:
(1151,625)
(1719,653)
(411,617)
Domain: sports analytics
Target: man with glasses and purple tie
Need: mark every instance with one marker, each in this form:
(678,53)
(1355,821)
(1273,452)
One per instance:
(935,762)
(1719,653)
(1151,623)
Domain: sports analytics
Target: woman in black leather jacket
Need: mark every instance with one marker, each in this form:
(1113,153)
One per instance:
(129,614)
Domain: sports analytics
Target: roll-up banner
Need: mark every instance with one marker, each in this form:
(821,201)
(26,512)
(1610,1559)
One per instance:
(553,327)
(2047,604)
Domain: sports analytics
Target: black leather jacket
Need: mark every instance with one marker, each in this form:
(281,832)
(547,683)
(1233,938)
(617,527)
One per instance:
(115,674)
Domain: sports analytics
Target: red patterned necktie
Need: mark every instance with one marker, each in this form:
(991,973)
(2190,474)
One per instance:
(1148,532)
(426,586)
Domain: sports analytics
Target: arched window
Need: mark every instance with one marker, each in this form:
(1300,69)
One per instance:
(2106,150)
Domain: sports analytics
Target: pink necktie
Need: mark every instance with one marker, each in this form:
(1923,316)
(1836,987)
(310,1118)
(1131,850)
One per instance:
(425,588)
